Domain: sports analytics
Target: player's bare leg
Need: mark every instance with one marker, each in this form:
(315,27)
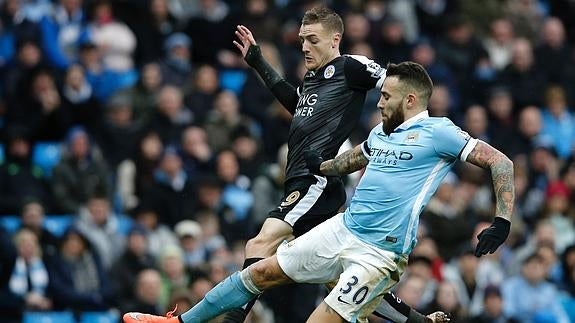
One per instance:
(325,314)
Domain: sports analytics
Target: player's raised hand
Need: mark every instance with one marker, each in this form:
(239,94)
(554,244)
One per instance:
(246,39)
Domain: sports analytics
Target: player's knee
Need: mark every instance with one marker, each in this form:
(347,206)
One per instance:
(265,275)
(262,244)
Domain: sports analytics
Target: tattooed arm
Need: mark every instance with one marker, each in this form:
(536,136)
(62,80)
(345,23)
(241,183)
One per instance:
(346,163)
(485,156)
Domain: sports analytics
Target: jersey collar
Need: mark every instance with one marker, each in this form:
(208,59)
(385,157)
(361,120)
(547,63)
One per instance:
(409,122)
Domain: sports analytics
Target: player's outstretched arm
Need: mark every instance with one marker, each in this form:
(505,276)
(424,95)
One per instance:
(485,156)
(282,90)
(346,163)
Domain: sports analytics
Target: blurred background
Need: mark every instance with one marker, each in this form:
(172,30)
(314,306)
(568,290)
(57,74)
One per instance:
(139,151)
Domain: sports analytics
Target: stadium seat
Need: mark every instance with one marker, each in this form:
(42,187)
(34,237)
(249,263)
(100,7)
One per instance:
(233,80)
(125,224)
(46,155)
(100,317)
(1,154)
(57,224)
(48,317)
(10,222)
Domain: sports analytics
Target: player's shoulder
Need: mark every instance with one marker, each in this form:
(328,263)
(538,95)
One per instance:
(439,122)
(358,58)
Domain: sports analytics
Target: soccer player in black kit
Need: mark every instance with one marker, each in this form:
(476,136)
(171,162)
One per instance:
(325,109)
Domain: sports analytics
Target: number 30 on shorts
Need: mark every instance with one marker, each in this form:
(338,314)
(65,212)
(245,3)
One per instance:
(359,294)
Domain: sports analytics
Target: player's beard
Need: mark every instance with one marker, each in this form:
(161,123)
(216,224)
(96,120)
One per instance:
(394,120)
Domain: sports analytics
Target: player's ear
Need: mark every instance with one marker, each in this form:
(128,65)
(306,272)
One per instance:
(411,99)
(335,40)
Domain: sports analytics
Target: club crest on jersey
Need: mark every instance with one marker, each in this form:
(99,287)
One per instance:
(412,137)
(329,72)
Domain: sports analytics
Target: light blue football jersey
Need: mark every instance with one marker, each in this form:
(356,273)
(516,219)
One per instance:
(403,172)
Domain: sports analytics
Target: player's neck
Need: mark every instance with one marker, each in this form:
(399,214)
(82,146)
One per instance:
(328,60)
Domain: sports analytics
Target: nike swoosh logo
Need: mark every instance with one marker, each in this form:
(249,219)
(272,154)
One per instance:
(341,300)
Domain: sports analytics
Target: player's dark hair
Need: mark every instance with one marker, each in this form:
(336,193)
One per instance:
(326,17)
(413,74)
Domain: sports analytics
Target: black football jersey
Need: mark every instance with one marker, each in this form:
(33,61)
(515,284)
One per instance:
(329,106)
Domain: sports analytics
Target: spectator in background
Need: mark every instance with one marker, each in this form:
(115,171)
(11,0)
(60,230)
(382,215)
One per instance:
(440,103)
(357,30)
(176,65)
(146,162)
(559,122)
(27,289)
(215,16)
(521,75)
(152,31)
(258,15)
(60,32)
(146,291)
(246,147)
(224,119)
(135,259)
(555,210)
(464,274)
(119,135)
(20,179)
(492,308)
(114,40)
(501,121)
(81,173)
(172,191)
(32,216)
(499,42)
(191,238)
(174,273)
(158,235)
(204,88)
(554,52)
(410,290)
(237,199)
(460,50)
(393,45)
(529,128)
(197,156)
(171,116)
(79,101)
(41,111)
(475,122)
(77,278)
(447,300)
(144,94)
(99,225)
(528,296)
(20,70)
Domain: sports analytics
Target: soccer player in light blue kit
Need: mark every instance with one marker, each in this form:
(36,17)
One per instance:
(367,246)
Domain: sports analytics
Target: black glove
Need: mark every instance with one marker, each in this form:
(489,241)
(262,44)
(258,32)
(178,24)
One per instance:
(313,161)
(491,238)
(254,56)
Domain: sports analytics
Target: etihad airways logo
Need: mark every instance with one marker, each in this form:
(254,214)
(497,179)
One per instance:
(305,105)
(389,156)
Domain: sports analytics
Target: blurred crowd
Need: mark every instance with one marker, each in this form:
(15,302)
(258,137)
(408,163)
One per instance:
(158,120)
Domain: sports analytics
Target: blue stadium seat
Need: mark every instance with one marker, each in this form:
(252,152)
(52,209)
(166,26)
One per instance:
(125,224)
(10,222)
(47,155)
(48,317)
(1,153)
(100,317)
(233,80)
(57,224)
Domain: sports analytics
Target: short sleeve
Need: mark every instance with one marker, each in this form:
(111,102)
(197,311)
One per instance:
(449,141)
(363,73)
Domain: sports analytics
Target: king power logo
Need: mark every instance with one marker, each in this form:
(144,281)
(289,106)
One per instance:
(305,105)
